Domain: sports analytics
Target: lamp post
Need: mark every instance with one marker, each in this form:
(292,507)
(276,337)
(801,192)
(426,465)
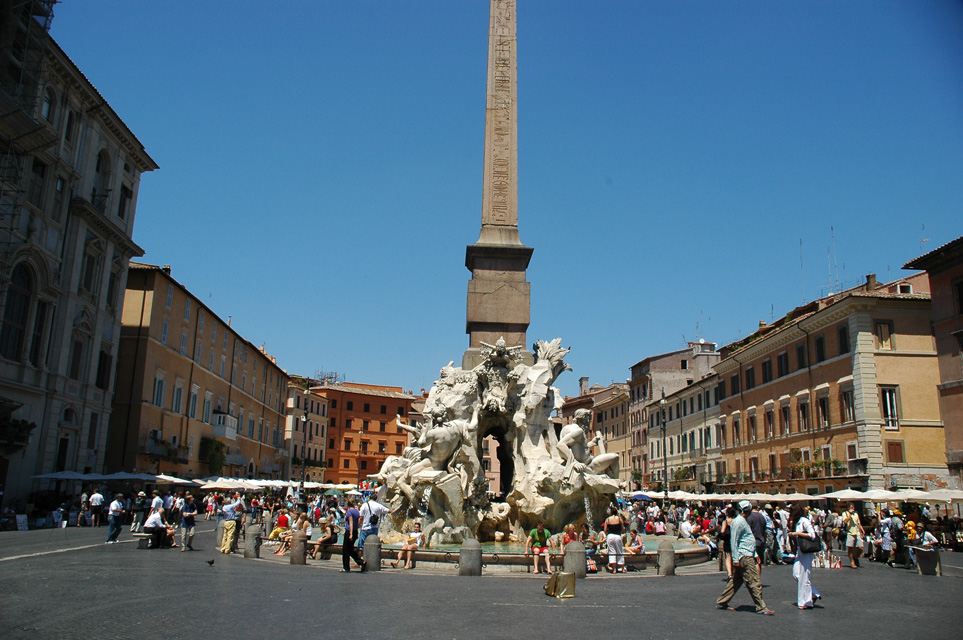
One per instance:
(360,446)
(304,453)
(665,457)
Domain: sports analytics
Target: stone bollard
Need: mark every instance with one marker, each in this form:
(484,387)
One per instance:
(666,558)
(574,559)
(219,535)
(252,541)
(372,553)
(299,548)
(470,558)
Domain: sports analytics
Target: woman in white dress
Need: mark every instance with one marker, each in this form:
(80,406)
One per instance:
(806,593)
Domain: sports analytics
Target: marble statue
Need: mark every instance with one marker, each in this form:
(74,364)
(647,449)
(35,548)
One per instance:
(555,477)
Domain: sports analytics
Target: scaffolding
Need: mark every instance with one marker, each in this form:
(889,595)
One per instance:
(24,35)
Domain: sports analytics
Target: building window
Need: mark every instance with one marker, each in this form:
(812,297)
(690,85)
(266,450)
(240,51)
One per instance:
(192,403)
(207,409)
(766,370)
(884,334)
(367,408)
(852,451)
(170,296)
(76,365)
(820,344)
(183,348)
(187,310)
(347,463)
(751,429)
(58,199)
(685,365)
(800,356)
(736,440)
(750,377)
(849,407)
(804,416)
(35,187)
(47,110)
(734,382)
(890,407)
(842,338)
(784,416)
(347,445)
(126,196)
(894,452)
(159,391)
(177,403)
(349,406)
(769,424)
(782,364)
(15,311)
(69,128)
(823,406)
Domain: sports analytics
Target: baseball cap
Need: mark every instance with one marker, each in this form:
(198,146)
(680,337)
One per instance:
(745,505)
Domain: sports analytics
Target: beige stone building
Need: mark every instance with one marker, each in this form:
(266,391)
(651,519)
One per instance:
(304,454)
(649,379)
(841,392)
(193,397)
(70,172)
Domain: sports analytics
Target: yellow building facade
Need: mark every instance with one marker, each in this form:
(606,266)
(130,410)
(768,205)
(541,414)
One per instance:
(193,398)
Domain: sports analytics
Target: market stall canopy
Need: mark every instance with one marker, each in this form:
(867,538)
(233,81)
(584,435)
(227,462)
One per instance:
(842,494)
(164,479)
(946,495)
(62,475)
(334,492)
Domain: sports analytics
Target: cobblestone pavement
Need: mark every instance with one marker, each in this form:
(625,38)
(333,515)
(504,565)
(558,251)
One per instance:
(68,584)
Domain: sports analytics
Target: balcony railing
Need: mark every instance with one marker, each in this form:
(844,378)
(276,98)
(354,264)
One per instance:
(235,458)
(225,426)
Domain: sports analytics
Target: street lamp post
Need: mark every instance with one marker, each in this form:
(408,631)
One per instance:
(360,446)
(665,457)
(304,451)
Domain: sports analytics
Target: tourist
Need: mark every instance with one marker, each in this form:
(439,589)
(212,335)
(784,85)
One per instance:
(285,538)
(585,537)
(757,523)
(156,503)
(161,535)
(854,535)
(187,523)
(282,524)
(781,517)
(229,513)
(352,529)
(413,543)
(538,543)
(140,512)
(96,508)
(744,567)
(177,505)
(724,540)
(115,519)
(372,512)
(613,527)
(329,535)
(636,544)
(926,537)
(84,508)
(569,535)
(659,526)
(772,554)
(806,593)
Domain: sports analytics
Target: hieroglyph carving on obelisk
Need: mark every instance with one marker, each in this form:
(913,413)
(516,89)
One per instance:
(500,196)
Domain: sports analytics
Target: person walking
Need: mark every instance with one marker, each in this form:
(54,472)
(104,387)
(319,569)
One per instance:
(744,567)
(372,512)
(115,519)
(806,593)
(854,535)
(96,509)
(352,529)
(187,523)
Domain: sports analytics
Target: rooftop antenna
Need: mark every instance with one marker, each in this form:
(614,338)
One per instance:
(923,239)
(802,275)
(832,233)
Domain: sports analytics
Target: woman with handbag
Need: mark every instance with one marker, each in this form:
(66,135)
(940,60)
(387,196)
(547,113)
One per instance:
(807,545)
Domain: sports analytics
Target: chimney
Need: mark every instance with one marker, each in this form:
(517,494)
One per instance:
(762,324)
(871,283)
(583,385)
(166,269)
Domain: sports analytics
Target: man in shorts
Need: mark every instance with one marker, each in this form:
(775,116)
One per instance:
(538,543)
(854,535)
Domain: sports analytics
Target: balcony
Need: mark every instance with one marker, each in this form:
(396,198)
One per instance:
(225,426)
(858,467)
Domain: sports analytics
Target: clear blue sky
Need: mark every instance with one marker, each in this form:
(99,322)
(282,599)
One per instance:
(321,163)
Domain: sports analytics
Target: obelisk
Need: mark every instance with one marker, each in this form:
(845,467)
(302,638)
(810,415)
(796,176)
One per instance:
(499,297)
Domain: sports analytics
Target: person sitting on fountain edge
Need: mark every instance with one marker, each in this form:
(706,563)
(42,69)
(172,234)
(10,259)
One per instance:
(538,543)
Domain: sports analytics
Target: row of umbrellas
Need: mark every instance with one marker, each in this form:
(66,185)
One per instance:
(876,495)
(212,483)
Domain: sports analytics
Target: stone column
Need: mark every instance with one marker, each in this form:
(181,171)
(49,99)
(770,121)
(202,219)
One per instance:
(470,558)
(666,558)
(372,553)
(252,541)
(299,548)
(219,535)
(574,559)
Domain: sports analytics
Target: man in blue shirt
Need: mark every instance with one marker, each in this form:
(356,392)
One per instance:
(744,568)
(352,528)
(229,513)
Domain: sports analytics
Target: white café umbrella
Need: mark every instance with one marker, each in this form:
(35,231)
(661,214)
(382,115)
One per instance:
(842,494)
(62,475)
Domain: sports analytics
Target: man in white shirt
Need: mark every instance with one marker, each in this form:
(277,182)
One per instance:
(115,519)
(96,508)
(371,513)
